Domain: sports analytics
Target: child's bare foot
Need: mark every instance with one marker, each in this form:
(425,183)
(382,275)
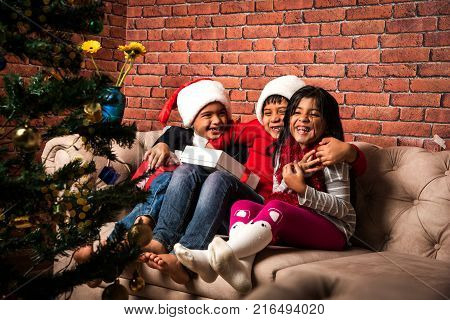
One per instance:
(168,263)
(147,258)
(155,247)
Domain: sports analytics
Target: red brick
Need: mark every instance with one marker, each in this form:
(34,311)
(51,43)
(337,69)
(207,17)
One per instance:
(330,29)
(137,91)
(156,11)
(292,4)
(396,85)
(234,33)
(256,57)
(233,70)
(210,57)
(265,18)
(180,22)
(255,71)
(172,57)
(362,27)
(235,45)
(446,100)
(204,8)
(442,130)
(154,35)
(237,95)
(324,57)
(134,102)
(277,71)
(197,70)
(410,142)
(412,114)
(355,56)
(415,100)
(370,99)
(325,15)
(132,113)
(378,140)
(254,83)
(151,69)
(206,45)
(376,113)
(411,25)
(230,58)
(237,6)
(229,20)
(299,31)
(437,39)
(134,12)
(397,70)
(324,43)
(365,42)
(263,45)
(260,32)
(149,23)
(434,147)
(253,95)
(406,129)
(241,107)
(430,85)
(146,81)
(152,103)
(203,22)
(295,57)
(248,118)
(366,13)
(333,3)
(213,33)
(180,10)
(136,35)
(176,34)
(444,23)
(346,112)
(402,40)
(405,10)
(174,82)
(158,46)
(158,92)
(325,83)
(442,54)
(361,126)
(405,55)
(433,8)
(435,69)
(325,71)
(293,17)
(365,84)
(264,5)
(356,71)
(291,44)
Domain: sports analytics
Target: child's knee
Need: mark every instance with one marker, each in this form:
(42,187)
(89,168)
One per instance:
(277,204)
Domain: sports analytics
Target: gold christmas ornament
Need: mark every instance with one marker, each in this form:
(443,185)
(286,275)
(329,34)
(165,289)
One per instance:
(137,283)
(115,291)
(26,139)
(93,112)
(140,234)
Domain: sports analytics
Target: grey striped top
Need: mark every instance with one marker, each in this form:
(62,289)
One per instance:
(334,204)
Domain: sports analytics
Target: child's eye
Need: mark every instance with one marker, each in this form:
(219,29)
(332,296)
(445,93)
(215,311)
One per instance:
(315,115)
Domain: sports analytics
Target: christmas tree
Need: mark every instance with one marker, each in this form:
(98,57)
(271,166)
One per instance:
(45,215)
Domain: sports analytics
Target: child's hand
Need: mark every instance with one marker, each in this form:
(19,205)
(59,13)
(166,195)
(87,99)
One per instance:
(331,151)
(157,155)
(309,164)
(294,178)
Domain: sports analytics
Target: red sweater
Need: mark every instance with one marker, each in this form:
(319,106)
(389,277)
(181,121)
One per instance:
(260,146)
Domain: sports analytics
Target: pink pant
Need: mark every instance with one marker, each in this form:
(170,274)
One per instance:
(291,225)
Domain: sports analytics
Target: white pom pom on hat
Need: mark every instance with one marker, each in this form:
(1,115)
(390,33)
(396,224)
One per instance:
(192,97)
(284,86)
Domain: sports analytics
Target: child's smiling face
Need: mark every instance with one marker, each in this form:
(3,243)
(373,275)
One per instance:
(273,115)
(210,122)
(307,124)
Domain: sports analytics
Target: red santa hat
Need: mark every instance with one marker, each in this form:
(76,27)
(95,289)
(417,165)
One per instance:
(284,86)
(192,97)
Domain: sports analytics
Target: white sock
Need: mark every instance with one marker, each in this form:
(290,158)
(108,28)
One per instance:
(197,261)
(249,239)
(234,271)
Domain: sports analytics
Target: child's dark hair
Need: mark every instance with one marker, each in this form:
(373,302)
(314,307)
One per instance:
(275,99)
(328,107)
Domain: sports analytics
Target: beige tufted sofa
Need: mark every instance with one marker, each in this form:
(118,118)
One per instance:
(401,245)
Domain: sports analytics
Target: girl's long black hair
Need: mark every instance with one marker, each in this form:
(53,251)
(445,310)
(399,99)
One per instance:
(329,110)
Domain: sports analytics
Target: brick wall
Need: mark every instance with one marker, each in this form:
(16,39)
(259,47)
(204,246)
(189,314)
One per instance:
(385,61)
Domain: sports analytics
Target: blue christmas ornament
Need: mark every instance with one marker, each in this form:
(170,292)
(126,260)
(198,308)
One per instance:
(2,63)
(113,104)
(108,175)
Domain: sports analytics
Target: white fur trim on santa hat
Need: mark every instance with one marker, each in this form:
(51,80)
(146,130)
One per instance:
(197,95)
(284,86)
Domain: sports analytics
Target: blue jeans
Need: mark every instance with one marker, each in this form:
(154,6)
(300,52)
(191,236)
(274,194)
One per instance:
(150,207)
(197,206)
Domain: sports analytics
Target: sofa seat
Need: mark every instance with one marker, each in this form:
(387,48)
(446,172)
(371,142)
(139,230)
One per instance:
(378,275)
(267,265)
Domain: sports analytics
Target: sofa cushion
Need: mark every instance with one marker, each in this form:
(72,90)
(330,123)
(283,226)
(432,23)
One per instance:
(267,264)
(403,201)
(385,275)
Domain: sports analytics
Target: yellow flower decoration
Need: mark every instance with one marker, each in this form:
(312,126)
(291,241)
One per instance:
(91,46)
(133,49)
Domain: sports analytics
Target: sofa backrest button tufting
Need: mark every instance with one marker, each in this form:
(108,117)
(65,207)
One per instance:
(447,172)
(437,246)
(416,202)
(394,168)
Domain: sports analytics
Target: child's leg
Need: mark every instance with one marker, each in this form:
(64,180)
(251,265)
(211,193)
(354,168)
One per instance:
(243,211)
(301,227)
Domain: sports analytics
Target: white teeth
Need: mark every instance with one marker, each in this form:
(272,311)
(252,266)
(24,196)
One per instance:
(303,129)
(277,128)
